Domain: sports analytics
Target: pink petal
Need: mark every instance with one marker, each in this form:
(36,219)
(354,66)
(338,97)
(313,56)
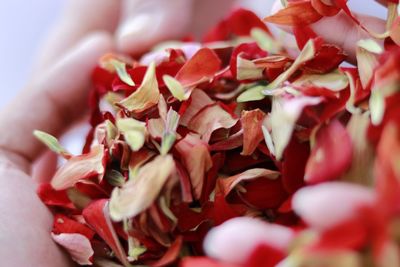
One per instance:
(328,204)
(234,240)
(77,245)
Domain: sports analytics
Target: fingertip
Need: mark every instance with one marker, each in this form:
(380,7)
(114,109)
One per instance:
(145,26)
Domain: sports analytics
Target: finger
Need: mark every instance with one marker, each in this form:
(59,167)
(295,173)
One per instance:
(342,30)
(78,19)
(25,224)
(45,167)
(145,23)
(54,101)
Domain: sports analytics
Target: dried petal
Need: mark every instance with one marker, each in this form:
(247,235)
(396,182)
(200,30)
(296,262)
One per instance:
(196,157)
(146,96)
(140,192)
(334,81)
(176,88)
(52,143)
(79,168)
(247,70)
(202,67)
(134,132)
(298,13)
(331,156)
(77,245)
(97,216)
(120,67)
(283,117)
(252,133)
(367,59)
(227,184)
(199,100)
(210,119)
(169,134)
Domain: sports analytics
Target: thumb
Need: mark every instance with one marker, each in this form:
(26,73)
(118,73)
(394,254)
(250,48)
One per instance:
(52,102)
(145,23)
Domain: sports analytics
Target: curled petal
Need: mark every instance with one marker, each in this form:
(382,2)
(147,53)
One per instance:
(80,167)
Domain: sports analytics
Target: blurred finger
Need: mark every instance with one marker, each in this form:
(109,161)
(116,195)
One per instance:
(45,167)
(52,103)
(79,18)
(145,23)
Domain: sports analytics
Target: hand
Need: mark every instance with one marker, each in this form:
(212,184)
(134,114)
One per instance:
(53,99)
(56,96)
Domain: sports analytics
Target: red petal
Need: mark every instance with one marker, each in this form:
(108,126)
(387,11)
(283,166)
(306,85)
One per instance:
(264,193)
(239,23)
(171,255)
(386,168)
(252,122)
(96,215)
(200,68)
(294,164)
(52,197)
(203,262)
(331,156)
(197,160)
(266,256)
(63,224)
(297,13)
(80,167)
(324,9)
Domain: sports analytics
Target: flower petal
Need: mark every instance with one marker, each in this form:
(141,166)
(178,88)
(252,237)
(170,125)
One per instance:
(96,215)
(146,96)
(235,240)
(331,156)
(77,245)
(140,192)
(80,167)
(197,160)
(328,204)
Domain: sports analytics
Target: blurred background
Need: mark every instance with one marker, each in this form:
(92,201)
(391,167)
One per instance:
(23,27)
(25,24)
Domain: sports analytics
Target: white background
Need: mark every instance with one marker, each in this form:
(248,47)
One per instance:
(24,24)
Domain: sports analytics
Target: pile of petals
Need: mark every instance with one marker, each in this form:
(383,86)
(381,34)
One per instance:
(232,152)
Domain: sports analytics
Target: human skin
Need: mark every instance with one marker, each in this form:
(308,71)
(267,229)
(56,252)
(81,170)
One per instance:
(55,97)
